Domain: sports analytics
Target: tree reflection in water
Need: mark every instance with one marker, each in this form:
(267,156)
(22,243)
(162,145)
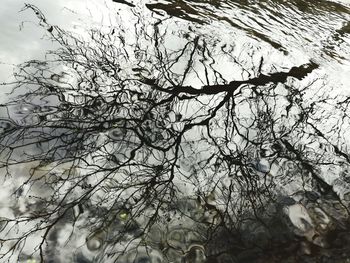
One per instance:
(124,149)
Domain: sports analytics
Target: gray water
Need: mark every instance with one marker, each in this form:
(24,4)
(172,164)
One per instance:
(174,131)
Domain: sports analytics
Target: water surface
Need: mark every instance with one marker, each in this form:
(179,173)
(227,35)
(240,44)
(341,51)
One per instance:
(175,131)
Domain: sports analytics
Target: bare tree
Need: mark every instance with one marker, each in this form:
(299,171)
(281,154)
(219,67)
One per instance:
(131,143)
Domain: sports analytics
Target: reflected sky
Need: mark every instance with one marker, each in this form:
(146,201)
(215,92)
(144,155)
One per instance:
(22,39)
(285,34)
(280,66)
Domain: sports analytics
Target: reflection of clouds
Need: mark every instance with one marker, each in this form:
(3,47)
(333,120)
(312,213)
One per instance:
(21,42)
(182,239)
(17,46)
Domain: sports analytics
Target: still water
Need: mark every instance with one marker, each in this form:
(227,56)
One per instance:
(175,131)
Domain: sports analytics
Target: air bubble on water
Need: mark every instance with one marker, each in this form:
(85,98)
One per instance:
(94,243)
(195,254)
(142,255)
(117,133)
(176,238)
